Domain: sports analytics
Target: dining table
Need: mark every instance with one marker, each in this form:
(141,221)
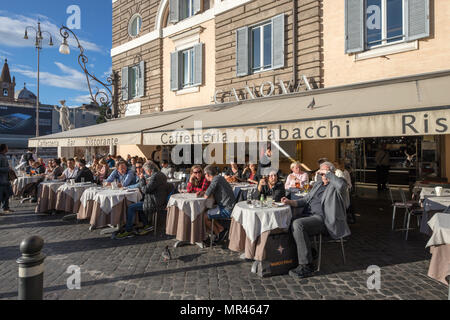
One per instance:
(20,183)
(432,205)
(69,194)
(47,194)
(243,191)
(107,207)
(439,245)
(252,224)
(185,218)
(428,192)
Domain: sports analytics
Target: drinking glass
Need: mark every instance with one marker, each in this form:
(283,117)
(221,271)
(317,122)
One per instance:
(269,201)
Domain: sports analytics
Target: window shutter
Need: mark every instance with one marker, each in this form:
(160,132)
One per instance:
(242,52)
(197,6)
(354,26)
(125,84)
(174,13)
(278,41)
(417,13)
(198,64)
(141,79)
(174,71)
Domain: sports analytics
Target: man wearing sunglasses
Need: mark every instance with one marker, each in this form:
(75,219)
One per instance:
(139,169)
(324,211)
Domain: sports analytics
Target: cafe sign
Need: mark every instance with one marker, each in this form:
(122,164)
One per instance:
(98,141)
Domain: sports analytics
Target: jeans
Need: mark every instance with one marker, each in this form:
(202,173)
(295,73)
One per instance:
(302,230)
(223,214)
(131,214)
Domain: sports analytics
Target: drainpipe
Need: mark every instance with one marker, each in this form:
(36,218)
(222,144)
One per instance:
(294,43)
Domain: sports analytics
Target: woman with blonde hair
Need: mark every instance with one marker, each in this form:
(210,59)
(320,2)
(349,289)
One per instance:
(297,179)
(197,182)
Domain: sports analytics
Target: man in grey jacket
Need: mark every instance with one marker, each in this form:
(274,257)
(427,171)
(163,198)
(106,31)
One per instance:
(324,211)
(5,184)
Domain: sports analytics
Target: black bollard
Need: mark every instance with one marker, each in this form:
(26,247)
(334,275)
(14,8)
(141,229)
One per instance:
(31,269)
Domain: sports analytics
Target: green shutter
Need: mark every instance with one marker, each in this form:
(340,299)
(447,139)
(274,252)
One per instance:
(174,11)
(242,52)
(278,41)
(125,84)
(198,64)
(174,71)
(141,80)
(354,26)
(417,16)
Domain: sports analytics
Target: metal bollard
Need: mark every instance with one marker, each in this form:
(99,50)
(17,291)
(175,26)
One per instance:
(31,269)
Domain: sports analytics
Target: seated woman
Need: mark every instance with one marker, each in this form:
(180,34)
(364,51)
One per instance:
(298,178)
(103,171)
(250,174)
(197,182)
(272,187)
(234,174)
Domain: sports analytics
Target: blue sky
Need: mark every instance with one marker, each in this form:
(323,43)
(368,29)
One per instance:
(61,76)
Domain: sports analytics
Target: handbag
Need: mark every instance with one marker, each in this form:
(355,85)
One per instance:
(280,255)
(11,175)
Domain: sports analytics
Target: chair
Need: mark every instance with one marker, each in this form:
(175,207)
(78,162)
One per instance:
(155,214)
(398,205)
(341,241)
(410,211)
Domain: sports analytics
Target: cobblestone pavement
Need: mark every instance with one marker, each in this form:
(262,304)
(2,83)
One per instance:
(132,268)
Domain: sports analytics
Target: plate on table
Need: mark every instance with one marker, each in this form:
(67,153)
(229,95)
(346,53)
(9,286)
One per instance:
(279,204)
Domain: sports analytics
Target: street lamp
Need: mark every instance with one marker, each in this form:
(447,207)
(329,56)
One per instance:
(105,97)
(38,33)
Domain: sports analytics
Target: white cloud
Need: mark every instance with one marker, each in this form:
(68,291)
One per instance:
(12,29)
(69,79)
(82,99)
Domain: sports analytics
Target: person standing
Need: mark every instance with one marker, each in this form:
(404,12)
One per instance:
(382,160)
(5,185)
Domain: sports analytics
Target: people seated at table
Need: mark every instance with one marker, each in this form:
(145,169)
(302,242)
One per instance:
(317,176)
(111,162)
(103,171)
(197,182)
(139,169)
(233,174)
(132,163)
(64,163)
(84,173)
(223,195)
(271,187)
(57,170)
(297,179)
(250,174)
(71,171)
(37,168)
(122,175)
(156,195)
(324,210)
(166,169)
(49,167)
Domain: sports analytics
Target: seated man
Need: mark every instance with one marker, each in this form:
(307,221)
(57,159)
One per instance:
(139,170)
(84,173)
(166,169)
(324,210)
(156,193)
(122,175)
(71,171)
(223,194)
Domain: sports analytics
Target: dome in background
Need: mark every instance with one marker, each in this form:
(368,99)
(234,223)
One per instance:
(25,94)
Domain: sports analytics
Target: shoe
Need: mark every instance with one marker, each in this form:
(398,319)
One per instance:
(222,236)
(149,228)
(144,232)
(8,211)
(302,271)
(125,235)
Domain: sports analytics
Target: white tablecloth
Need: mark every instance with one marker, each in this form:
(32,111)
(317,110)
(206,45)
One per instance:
(440,224)
(75,191)
(109,198)
(431,192)
(89,194)
(53,185)
(249,190)
(436,203)
(256,221)
(21,182)
(190,204)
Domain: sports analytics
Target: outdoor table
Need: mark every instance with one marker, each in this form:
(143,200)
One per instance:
(87,202)
(68,196)
(251,227)
(21,182)
(439,245)
(432,205)
(185,218)
(175,182)
(108,207)
(47,196)
(244,191)
(431,192)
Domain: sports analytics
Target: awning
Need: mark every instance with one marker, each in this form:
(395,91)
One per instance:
(127,131)
(416,105)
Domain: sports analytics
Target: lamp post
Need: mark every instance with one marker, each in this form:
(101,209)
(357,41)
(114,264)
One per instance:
(99,97)
(38,45)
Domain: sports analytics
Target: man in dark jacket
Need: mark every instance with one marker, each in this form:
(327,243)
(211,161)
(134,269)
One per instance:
(83,172)
(5,184)
(156,193)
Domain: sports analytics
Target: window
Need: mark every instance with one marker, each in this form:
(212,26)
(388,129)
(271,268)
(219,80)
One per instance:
(135,25)
(5,92)
(186,68)
(182,9)
(260,47)
(133,81)
(384,22)
(370,24)
(187,7)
